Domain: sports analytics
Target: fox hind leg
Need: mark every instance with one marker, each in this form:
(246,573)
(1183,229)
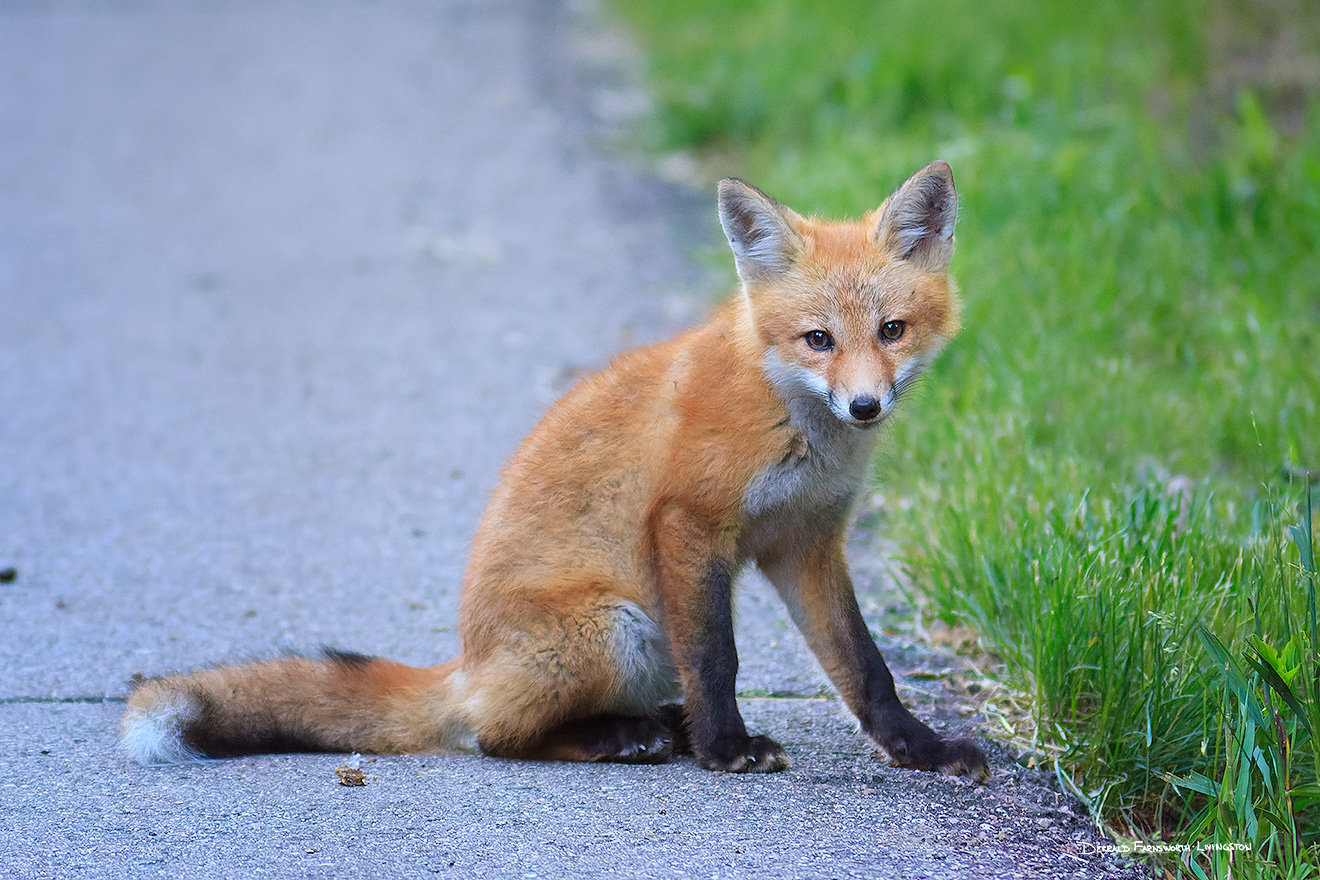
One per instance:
(586,684)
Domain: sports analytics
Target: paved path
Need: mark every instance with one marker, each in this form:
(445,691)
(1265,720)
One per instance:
(281,285)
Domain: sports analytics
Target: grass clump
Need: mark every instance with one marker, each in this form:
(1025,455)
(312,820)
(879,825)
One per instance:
(1104,469)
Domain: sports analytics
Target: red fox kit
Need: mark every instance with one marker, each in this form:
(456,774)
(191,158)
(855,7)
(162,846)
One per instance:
(599,591)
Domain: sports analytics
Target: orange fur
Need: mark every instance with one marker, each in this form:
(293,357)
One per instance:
(598,586)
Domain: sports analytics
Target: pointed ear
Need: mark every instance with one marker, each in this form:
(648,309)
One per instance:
(916,222)
(758,229)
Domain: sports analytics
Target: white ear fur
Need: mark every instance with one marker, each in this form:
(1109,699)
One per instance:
(758,230)
(916,222)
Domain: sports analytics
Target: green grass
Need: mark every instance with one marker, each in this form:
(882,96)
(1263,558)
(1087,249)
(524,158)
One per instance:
(1104,467)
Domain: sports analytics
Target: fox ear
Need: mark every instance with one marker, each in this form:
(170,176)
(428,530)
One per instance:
(916,222)
(758,229)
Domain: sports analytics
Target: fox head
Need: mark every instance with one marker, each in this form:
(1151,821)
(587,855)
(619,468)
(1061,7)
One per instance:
(849,313)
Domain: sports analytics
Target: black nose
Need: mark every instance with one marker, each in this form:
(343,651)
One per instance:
(864,409)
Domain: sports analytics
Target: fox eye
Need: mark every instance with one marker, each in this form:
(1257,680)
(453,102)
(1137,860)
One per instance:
(819,340)
(892,330)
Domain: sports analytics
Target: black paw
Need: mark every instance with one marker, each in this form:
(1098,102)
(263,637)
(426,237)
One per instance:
(962,757)
(744,754)
(636,741)
(671,715)
(912,744)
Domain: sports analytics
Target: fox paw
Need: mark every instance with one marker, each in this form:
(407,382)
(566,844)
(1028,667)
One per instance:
(744,754)
(912,744)
(962,757)
(618,739)
(644,741)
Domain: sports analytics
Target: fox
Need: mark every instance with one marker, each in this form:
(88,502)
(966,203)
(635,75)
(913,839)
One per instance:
(596,611)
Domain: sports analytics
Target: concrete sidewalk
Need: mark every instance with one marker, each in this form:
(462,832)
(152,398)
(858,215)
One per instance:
(281,285)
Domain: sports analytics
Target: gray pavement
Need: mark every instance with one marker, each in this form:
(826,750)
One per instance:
(281,285)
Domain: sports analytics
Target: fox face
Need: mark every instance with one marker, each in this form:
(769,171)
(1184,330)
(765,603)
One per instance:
(849,313)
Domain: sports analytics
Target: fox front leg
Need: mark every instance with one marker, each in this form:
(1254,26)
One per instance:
(695,583)
(815,584)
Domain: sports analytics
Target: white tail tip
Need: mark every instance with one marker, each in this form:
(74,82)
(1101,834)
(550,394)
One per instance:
(153,734)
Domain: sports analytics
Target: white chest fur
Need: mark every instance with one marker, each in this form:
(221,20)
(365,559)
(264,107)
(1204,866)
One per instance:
(823,471)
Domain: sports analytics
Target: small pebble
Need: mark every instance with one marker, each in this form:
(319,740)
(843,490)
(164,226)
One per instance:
(350,776)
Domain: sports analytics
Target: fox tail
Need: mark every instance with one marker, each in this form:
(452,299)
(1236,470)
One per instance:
(339,703)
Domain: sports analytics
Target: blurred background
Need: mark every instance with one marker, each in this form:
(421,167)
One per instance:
(1106,476)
